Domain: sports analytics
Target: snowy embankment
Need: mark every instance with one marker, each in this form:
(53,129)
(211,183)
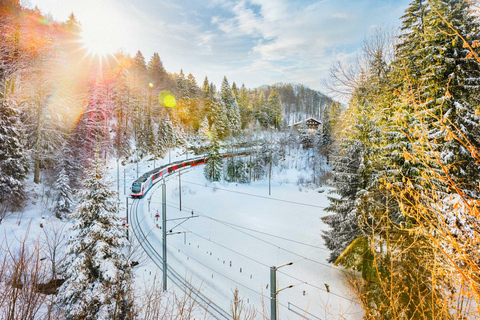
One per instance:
(240,232)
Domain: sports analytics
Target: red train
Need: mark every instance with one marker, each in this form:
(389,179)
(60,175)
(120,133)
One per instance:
(141,186)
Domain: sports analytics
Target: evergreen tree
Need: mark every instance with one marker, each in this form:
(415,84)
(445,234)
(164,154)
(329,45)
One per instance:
(324,138)
(344,222)
(274,109)
(139,70)
(231,106)
(156,73)
(13,158)
(182,85)
(260,109)
(214,162)
(96,270)
(446,81)
(206,93)
(244,105)
(192,87)
(235,91)
(63,195)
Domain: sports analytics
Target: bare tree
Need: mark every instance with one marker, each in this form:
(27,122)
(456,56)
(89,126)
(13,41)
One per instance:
(239,310)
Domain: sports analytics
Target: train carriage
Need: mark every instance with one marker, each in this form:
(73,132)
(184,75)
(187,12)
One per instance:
(141,186)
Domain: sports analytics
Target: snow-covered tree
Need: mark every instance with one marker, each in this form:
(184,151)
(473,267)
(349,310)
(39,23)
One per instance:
(214,162)
(63,195)
(344,220)
(13,159)
(230,102)
(275,109)
(306,138)
(97,271)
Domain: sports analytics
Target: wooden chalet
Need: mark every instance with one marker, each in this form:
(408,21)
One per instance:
(312,124)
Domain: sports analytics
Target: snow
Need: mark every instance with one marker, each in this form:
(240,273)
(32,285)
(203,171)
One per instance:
(209,245)
(218,253)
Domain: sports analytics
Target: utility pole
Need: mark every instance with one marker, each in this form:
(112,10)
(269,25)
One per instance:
(180,188)
(124,183)
(164,233)
(273,290)
(118,181)
(270,178)
(273,293)
(126,210)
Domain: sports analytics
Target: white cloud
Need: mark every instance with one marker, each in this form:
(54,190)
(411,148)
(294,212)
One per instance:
(340,15)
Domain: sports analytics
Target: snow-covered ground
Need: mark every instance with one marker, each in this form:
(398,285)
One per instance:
(237,237)
(233,242)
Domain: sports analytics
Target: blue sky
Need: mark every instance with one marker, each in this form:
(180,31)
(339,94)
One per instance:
(250,41)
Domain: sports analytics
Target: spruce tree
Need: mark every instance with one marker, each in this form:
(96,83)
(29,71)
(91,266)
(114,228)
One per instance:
(157,74)
(63,195)
(13,158)
(446,82)
(214,162)
(97,272)
(229,101)
(344,220)
(275,109)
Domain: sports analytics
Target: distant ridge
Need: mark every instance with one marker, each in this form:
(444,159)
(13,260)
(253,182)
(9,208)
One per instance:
(299,101)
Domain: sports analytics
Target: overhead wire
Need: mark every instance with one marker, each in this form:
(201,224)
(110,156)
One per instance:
(217,272)
(234,226)
(201,214)
(253,195)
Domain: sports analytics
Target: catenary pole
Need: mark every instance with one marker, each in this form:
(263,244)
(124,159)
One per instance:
(273,293)
(164,233)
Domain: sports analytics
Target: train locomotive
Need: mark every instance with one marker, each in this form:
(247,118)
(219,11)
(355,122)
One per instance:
(141,186)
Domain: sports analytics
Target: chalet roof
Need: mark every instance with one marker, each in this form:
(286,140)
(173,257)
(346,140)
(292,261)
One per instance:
(300,122)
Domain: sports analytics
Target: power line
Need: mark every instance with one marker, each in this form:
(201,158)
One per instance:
(256,195)
(227,277)
(317,287)
(201,214)
(241,254)
(258,231)
(269,234)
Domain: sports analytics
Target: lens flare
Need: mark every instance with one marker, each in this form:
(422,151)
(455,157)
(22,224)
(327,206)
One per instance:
(167,99)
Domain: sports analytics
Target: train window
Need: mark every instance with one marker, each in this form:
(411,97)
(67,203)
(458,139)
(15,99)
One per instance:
(170,169)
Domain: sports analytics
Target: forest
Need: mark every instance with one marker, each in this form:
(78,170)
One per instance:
(402,157)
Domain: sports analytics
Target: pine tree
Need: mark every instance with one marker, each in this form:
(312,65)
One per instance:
(260,109)
(274,109)
(192,87)
(96,270)
(214,162)
(344,222)
(139,70)
(156,73)
(446,81)
(13,158)
(63,195)
(182,85)
(231,106)
(323,137)
(244,105)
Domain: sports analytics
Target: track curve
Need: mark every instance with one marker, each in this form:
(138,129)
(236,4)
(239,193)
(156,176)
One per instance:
(142,237)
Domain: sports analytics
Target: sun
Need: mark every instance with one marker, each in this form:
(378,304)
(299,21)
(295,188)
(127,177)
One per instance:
(98,41)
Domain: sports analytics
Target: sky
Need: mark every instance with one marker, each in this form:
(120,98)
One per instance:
(255,42)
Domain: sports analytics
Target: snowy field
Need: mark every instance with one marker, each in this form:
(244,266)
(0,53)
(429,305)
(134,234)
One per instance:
(240,232)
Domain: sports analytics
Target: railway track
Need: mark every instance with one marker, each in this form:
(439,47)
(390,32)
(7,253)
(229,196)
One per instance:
(213,309)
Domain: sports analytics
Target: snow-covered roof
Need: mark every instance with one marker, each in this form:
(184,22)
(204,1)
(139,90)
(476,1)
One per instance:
(300,122)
